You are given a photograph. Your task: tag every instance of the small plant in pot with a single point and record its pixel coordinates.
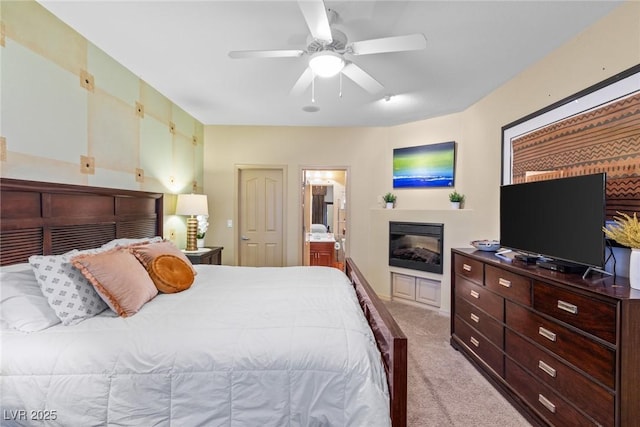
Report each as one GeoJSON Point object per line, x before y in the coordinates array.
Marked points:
{"type": "Point", "coordinates": [389, 200]}
{"type": "Point", "coordinates": [456, 199]}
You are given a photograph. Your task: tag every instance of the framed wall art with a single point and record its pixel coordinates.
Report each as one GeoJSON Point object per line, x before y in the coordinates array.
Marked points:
{"type": "Point", "coordinates": [424, 166]}
{"type": "Point", "coordinates": [596, 130]}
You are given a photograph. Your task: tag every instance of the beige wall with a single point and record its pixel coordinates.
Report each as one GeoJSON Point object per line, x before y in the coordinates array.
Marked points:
{"type": "Point", "coordinates": [50, 117]}
{"type": "Point", "coordinates": [292, 148]}
{"type": "Point", "coordinates": [48, 121]}
{"type": "Point", "coordinates": [606, 48]}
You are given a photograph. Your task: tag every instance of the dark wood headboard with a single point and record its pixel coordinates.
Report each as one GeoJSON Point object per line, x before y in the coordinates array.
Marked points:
{"type": "Point", "coordinates": [42, 218]}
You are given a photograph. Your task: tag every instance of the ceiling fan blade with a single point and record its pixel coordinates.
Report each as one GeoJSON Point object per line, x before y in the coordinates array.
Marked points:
{"type": "Point", "coordinates": [236, 54]}
{"type": "Point", "coordinates": [362, 78]}
{"type": "Point", "coordinates": [303, 82]}
{"type": "Point", "coordinates": [389, 44]}
{"type": "Point", "coordinates": [315, 14]}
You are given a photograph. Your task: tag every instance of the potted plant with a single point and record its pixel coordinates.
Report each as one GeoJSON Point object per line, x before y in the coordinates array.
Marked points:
{"type": "Point", "coordinates": [389, 199]}
{"type": "Point", "coordinates": [456, 199]}
{"type": "Point", "coordinates": [203, 226]}
{"type": "Point", "coordinates": [626, 231]}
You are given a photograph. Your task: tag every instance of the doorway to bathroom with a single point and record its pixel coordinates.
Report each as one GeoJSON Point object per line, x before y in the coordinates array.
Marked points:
{"type": "Point", "coordinates": [325, 219]}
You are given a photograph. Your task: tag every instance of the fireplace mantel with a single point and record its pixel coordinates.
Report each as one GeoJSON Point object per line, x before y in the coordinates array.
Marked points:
{"type": "Point", "coordinates": [457, 233]}
{"type": "Point", "coordinates": [444, 211]}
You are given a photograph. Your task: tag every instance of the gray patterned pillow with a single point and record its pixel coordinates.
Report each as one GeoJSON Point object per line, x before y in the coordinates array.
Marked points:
{"type": "Point", "coordinates": [68, 292]}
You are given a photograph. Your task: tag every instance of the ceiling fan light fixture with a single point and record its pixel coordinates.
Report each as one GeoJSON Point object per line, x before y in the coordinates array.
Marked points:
{"type": "Point", "coordinates": [326, 63]}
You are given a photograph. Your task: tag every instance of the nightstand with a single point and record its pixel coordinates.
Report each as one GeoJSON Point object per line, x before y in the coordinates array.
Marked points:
{"type": "Point", "coordinates": [211, 255]}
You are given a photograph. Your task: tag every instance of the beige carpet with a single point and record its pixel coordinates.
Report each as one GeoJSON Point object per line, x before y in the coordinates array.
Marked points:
{"type": "Point", "coordinates": [444, 389]}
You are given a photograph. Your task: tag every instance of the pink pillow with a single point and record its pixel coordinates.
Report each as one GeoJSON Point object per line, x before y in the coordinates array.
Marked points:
{"type": "Point", "coordinates": [146, 253]}
{"type": "Point", "coordinates": [118, 278]}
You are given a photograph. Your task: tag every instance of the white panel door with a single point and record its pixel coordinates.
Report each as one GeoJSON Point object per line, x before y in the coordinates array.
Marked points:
{"type": "Point", "coordinates": [261, 224]}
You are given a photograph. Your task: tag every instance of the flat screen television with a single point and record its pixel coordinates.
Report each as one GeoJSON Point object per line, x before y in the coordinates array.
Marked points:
{"type": "Point", "coordinates": [561, 219]}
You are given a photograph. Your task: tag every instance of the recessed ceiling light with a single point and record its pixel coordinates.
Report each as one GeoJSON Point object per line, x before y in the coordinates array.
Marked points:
{"type": "Point", "coordinates": [310, 108]}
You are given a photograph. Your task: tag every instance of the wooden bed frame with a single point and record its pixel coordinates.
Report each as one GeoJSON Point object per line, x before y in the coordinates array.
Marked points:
{"type": "Point", "coordinates": [47, 218]}
{"type": "Point", "coordinates": [39, 218]}
{"type": "Point", "coordinates": [392, 342]}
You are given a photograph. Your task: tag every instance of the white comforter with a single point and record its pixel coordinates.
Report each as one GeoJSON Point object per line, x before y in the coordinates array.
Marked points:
{"type": "Point", "coordinates": [242, 347]}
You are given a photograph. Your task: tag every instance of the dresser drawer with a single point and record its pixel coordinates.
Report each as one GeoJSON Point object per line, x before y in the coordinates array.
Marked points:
{"type": "Point", "coordinates": [469, 268]}
{"type": "Point", "coordinates": [593, 316]}
{"type": "Point", "coordinates": [489, 353]}
{"type": "Point", "coordinates": [481, 297]}
{"type": "Point", "coordinates": [481, 321]}
{"type": "Point", "coordinates": [510, 285]}
{"type": "Point", "coordinates": [543, 399]}
{"type": "Point", "coordinates": [582, 352]}
{"type": "Point", "coordinates": [596, 401]}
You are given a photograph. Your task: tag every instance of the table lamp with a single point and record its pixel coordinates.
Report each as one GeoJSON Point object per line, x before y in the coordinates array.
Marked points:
{"type": "Point", "coordinates": [192, 205]}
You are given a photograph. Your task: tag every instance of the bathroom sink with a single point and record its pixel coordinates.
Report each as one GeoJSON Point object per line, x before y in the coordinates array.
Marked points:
{"type": "Point", "coordinates": [321, 237]}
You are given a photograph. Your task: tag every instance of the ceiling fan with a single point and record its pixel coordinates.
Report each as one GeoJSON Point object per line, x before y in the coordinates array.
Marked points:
{"type": "Point", "coordinates": [329, 47]}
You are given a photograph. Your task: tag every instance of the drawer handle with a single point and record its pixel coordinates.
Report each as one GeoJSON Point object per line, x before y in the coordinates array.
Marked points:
{"type": "Point", "coordinates": [475, 317]}
{"type": "Point", "coordinates": [547, 334]}
{"type": "Point", "coordinates": [547, 403]}
{"type": "Point", "coordinates": [547, 369]}
{"type": "Point", "coordinates": [563, 305]}
{"type": "Point", "coordinates": [474, 294]}
{"type": "Point", "coordinates": [474, 341]}
{"type": "Point", "coordinates": [504, 282]}
{"type": "Point", "coordinates": [466, 267]}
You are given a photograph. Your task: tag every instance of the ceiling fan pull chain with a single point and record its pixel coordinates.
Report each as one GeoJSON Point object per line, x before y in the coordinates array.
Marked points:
{"type": "Point", "coordinates": [313, 90]}
{"type": "Point", "coordinates": [340, 92]}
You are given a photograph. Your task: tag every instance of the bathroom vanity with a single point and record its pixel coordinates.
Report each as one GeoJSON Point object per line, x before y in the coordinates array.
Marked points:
{"type": "Point", "coordinates": [322, 253]}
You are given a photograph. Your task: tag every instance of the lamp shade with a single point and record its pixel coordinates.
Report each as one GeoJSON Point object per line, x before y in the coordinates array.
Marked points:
{"type": "Point", "coordinates": [326, 63]}
{"type": "Point", "coordinates": [192, 204]}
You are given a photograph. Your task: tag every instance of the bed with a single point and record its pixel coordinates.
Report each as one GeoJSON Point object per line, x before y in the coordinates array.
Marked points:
{"type": "Point", "coordinates": [204, 356]}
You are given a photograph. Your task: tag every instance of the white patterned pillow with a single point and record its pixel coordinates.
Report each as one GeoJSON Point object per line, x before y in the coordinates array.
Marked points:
{"type": "Point", "coordinates": [68, 292]}
{"type": "Point", "coordinates": [22, 305]}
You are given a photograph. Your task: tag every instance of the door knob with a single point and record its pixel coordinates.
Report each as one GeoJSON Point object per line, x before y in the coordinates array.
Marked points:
{"type": "Point", "coordinates": [244, 238]}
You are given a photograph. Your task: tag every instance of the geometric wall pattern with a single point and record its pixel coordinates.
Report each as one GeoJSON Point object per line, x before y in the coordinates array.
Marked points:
{"type": "Point", "coordinates": [65, 102]}
{"type": "Point", "coordinates": [603, 139]}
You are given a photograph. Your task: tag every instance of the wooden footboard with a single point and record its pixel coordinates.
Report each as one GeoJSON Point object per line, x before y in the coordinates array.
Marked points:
{"type": "Point", "coordinates": [392, 343]}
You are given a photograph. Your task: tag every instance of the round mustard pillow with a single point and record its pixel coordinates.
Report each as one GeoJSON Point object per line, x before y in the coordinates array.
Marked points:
{"type": "Point", "coordinates": [170, 274]}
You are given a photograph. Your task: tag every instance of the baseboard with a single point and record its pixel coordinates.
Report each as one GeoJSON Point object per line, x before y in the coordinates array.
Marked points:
{"type": "Point", "coordinates": [420, 305]}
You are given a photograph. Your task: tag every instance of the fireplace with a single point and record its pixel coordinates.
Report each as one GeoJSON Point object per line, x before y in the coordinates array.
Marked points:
{"type": "Point", "coordinates": [415, 245]}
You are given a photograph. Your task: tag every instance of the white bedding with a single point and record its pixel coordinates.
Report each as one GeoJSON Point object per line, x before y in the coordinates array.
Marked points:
{"type": "Point", "coordinates": [241, 347]}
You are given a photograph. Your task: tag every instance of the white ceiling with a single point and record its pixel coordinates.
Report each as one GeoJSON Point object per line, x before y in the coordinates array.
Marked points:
{"type": "Point", "coordinates": [181, 49]}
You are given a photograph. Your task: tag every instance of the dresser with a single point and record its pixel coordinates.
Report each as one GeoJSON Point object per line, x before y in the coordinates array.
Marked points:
{"type": "Point", "coordinates": [565, 350]}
